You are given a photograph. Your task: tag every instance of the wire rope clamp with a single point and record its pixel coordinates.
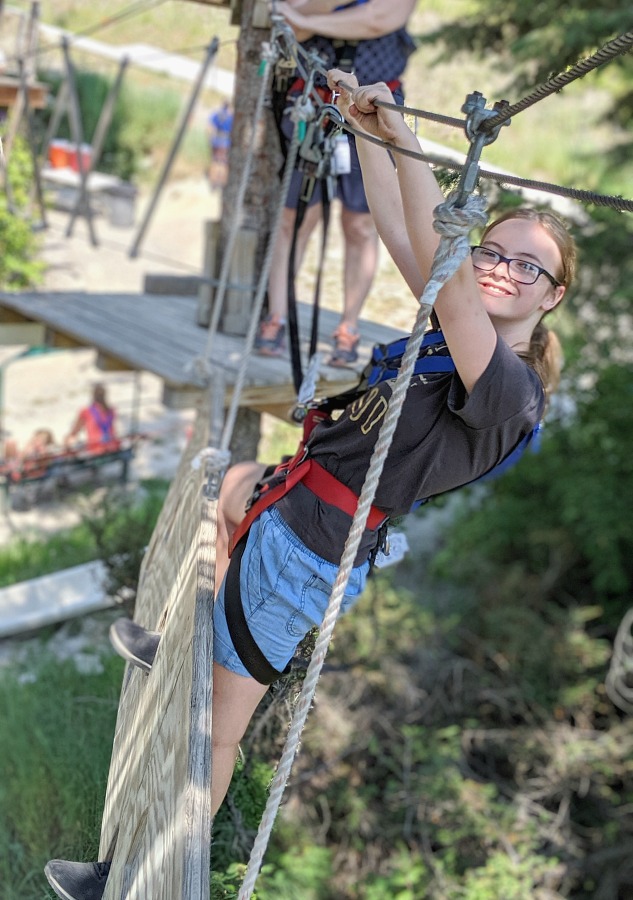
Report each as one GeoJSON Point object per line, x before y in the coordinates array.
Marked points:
{"type": "Point", "coordinates": [477, 117]}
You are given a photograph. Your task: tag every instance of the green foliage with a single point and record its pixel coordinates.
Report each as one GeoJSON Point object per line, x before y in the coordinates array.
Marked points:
{"type": "Point", "coordinates": [142, 118]}
{"type": "Point", "coordinates": [533, 42]}
{"type": "Point", "coordinates": [559, 521]}
{"type": "Point", "coordinates": [302, 871]}
{"type": "Point", "coordinates": [408, 879]}
{"type": "Point", "coordinates": [56, 731]}
{"type": "Point", "coordinates": [24, 559]}
{"type": "Point", "coordinates": [121, 528]}
{"type": "Point", "coordinates": [18, 242]}
{"type": "Point", "coordinates": [116, 530]}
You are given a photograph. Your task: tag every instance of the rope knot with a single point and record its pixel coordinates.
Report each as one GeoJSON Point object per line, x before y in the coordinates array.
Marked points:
{"type": "Point", "coordinates": [452, 221]}
{"type": "Point", "coordinates": [216, 460]}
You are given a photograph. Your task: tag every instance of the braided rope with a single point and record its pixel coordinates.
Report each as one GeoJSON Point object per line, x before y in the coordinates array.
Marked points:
{"type": "Point", "coordinates": [453, 225]}
{"type": "Point", "coordinates": [618, 203]}
{"type": "Point", "coordinates": [215, 460]}
{"type": "Point", "coordinates": [619, 680]}
{"type": "Point", "coordinates": [609, 51]}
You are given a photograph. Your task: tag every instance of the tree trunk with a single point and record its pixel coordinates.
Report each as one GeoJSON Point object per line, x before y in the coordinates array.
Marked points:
{"type": "Point", "coordinates": [262, 193]}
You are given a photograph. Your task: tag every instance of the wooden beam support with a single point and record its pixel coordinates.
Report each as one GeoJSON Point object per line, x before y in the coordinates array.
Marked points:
{"type": "Point", "coordinates": [30, 333]}
{"type": "Point", "coordinates": [109, 363]}
{"type": "Point", "coordinates": [63, 341]}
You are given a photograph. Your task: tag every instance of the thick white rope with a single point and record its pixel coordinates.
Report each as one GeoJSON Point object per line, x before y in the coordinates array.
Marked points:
{"type": "Point", "coordinates": [454, 226]}
{"type": "Point", "coordinates": [619, 680]}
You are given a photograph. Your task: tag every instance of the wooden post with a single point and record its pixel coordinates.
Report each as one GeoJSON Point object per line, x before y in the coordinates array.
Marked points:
{"type": "Point", "coordinates": [76, 129]}
{"type": "Point", "coordinates": [210, 269]}
{"type": "Point", "coordinates": [241, 280]}
{"type": "Point", "coordinates": [27, 47]}
{"type": "Point", "coordinates": [262, 194]}
{"type": "Point", "coordinates": [99, 136]}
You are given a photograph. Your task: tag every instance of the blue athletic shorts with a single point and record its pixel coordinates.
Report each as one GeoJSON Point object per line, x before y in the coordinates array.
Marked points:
{"type": "Point", "coordinates": [285, 592]}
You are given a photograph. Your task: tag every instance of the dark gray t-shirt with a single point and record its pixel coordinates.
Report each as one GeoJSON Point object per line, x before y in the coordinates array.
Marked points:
{"type": "Point", "coordinates": [444, 439]}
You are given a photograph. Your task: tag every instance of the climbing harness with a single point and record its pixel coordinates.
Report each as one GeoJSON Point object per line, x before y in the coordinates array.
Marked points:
{"type": "Point", "coordinates": [317, 161]}
{"type": "Point", "coordinates": [433, 359]}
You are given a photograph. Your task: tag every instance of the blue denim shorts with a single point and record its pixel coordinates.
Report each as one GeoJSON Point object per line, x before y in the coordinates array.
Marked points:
{"type": "Point", "coordinates": [285, 592]}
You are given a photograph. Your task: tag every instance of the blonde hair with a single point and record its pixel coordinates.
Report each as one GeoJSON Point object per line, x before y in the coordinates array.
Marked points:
{"type": "Point", "coordinates": [545, 354]}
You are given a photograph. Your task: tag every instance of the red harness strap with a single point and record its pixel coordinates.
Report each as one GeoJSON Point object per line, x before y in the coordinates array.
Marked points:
{"type": "Point", "coordinates": [320, 482]}
{"type": "Point", "coordinates": [326, 94]}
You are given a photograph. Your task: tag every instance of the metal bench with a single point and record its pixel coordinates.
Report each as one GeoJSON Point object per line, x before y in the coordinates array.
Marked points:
{"type": "Point", "coordinates": [55, 466]}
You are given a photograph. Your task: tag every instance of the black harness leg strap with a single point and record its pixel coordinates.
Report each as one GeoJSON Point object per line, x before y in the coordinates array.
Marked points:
{"type": "Point", "coordinates": [293, 321]}
{"type": "Point", "coordinates": [243, 641]}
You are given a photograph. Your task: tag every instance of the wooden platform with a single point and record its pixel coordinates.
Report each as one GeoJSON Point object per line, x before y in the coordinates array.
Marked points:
{"type": "Point", "coordinates": [159, 334]}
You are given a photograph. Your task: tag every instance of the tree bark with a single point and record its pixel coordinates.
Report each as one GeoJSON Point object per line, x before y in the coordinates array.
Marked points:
{"type": "Point", "coordinates": [262, 192]}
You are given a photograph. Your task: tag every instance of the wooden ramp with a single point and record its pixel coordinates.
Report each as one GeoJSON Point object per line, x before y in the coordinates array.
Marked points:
{"type": "Point", "coordinates": [156, 825]}
{"type": "Point", "coordinates": [158, 333]}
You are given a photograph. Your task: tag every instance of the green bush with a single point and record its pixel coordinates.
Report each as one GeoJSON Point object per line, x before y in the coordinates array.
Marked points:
{"type": "Point", "coordinates": [121, 526]}
{"type": "Point", "coordinates": [116, 529]}
{"type": "Point", "coordinates": [19, 244]}
{"type": "Point", "coordinates": [143, 120]}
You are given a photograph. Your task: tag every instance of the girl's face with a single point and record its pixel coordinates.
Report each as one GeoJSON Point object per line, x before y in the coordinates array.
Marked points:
{"type": "Point", "coordinates": [507, 299]}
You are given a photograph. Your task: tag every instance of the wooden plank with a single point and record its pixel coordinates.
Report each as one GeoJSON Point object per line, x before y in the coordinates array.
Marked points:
{"type": "Point", "coordinates": [159, 334]}
{"type": "Point", "coordinates": [159, 762]}
{"type": "Point", "coordinates": [30, 333]}
{"type": "Point", "coordinates": [53, 598]}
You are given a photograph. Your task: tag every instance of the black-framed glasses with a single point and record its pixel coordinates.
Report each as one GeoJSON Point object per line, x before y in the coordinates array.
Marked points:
{"type": "Point", "coordinates": [519, 269]}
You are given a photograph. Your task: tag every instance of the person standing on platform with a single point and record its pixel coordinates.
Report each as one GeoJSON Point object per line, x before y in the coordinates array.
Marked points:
{"type": "Point", "coordinates": [368, 37]}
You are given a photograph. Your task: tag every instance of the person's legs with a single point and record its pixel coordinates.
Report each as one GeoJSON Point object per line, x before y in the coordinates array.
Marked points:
{"type": "Point", "coordinates": [138, 645]}
{"type": "Point", "coordinates": [270, 339]}
{"type": "Point", "coordinates": [278, 279]}
{"type": "Point", "coordinates": [235, 699]}
{"type": "Point", "coordinates": [361, 262]}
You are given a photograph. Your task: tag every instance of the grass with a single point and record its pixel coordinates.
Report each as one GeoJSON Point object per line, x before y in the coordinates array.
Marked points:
{"type": "Point", "coordinates": [24, 559]}
{"type": "Point", "coordinates": [56, 730]}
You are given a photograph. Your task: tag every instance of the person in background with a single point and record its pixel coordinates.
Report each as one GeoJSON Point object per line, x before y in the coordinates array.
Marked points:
{"type": "Point", "coordinates": [95, 424]}
{"type": "Point", "coordinates": [368, 37]}
{"type": "Point", "coordinates": [219, 128]}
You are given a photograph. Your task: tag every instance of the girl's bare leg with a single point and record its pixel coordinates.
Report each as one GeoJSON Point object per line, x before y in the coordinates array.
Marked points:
{"type": "Point", "coordinates": [237, 488]}
{"type": "Point", "coordinates": [235, 699]}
